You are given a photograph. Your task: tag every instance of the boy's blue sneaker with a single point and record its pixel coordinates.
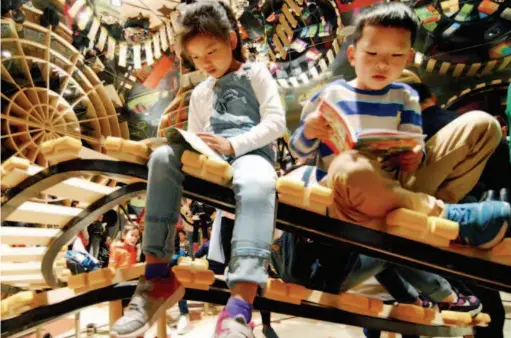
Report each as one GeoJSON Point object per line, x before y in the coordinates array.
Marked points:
{"type": "Point", "coordinates": [482, 224]}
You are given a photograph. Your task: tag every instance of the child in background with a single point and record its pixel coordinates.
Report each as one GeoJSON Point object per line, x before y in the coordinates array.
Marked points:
{"type": "Point", "coordinates": [184, 243]}
{"type": "Point", "coordinates": [237, 112]}
{"type": "Point", "coordinates": [124, 253]}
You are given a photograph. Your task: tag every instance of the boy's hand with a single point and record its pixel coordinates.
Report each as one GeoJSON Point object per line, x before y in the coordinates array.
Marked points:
{"type": "Point", "coordinates": [316, 127]}
{"type": "Point", "coordinates": [408, 161]}
{"type": "Point", "coordinates": [218, 143]}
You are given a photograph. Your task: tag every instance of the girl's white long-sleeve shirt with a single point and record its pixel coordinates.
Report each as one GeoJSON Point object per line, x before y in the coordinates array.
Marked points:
{"type": "Point", "coordinates": [226, 106]}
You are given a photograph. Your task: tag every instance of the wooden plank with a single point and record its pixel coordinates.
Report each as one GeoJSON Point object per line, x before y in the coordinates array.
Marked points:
{"type": "Point", "coordinates": [110, 54]}
{"type": "Point", "coordinates": [94, 29]}
{"type": "Point", "coordinates": [9, 269]}
{"type": "Point", "coordinates": [163, 37]}
{"type": "Point", "coordinates": [156, 45]}
{"type": "Point", "coordinates": [123, 52]}
{"type": "Point", "coordinates": [102, 39]}
{"type": "Point", "coordinates": [458, 69]}
{"type": "Point", "coordinates": [27, 236]}
{"type": "Point", "coordinates": [79, 189]}
{"type": "Point", "coordinates": [30, 254]}
{"type": "Point", "coordinates": [473, 69]}
{"type": "Point", "coordinates": [22, 279]}
{"type": "Point", "coordinates": [30, 212]}
{"type": "Point", "coordinates": [149, 52]}
{"type": "Point", "coordinates": [16, 176]}
{"type": "Point", "coordinates": [137, 58]}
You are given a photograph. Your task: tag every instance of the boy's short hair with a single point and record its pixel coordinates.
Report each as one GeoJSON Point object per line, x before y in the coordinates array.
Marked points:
{"type": "Point", "coordinates": [390, 14]}
{"type": "Point", "coordinates": [423, 91]}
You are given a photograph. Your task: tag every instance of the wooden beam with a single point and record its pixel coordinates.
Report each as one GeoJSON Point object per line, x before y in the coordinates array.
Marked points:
{"type": "Point", "coordinates": [39, 213]}
{"type": "Point", "coordinates": [9, 269]}
{"type": "Point", "coordinates": [27, 236]}
{"type": "Point", "coordinates": [79, 189]}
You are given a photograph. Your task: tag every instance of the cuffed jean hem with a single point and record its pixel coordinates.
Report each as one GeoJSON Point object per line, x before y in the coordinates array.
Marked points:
{"type": "Point", "coordinates": [156, 243]}
{"type": "Point", "coordinates": [439, 295]}
{"type": "Point", "coordinates": [249, 266]}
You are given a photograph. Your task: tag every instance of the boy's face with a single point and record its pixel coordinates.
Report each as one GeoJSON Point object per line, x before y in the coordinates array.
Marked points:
{"type": "Point", "coordinates": [380, 56]}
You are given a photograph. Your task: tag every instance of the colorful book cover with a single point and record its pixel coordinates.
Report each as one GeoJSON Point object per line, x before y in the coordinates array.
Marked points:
{"type": "Point", "coordinates": [312, 54]}
{"type": "Point", "coordinates": [380, 142]}
{"type": "Point", "coordinates": [343, 137]}
{"type": "Point", "coordinates": [464, 12]}
{"type": "Point", "coordinates": [299, 45]}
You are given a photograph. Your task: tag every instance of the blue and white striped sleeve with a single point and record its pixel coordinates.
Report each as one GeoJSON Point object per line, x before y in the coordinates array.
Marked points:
{"type": "Point", "coordinates": [300, 146]}
{"type": "Point", "coordinates": [411, 119]}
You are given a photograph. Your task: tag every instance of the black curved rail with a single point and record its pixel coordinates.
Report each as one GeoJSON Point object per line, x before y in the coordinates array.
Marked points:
{"type": "Point", "coordinates": [80, 222]}
{"type": "Point", "coordinates": [218, 295]}
{"type": "Point", "coordinates": [352, 237]}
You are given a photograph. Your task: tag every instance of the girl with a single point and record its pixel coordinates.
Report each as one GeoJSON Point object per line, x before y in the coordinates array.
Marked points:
{"type": "Point", "coordinates": [237, 111]}
{"type": "Point", "coordinates": [124, 252]}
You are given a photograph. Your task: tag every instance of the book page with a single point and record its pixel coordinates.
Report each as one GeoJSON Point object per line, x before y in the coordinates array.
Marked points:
{"type": "Point", "coordinates": [176, 135]}
{"type": "Point", "coordinates": [387, 142]}
{"type": "Point", "coordinates": [343, 137]}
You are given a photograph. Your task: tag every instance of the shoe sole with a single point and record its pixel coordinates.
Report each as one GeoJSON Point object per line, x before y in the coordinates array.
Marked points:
{"type": "Point", "coordinates": [477, 311]}
{"type": "Point", "coordinates": [497, 239]}
{"type": "Point", "coordinates": [176, 297]}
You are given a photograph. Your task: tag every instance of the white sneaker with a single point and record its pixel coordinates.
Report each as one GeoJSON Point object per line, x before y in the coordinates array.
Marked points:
{"type": "Point", "coordinates": [183, 325]}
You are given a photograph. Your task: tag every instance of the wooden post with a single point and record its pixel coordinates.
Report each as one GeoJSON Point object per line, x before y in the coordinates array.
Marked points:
{"type": "Point", "coordinates": [115, 311]}
{"type": "Point", "coordinates": [162, 326]}
{"type": "Point", "coordinates": [38, 332]}
{"type": "Point", "coordinates": [77, 325]}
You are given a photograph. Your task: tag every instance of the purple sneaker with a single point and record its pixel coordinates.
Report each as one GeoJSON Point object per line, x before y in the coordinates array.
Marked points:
{"type": "Point", "coordinates": [470, 304]}
{"type": "Point", "coordinates": [237, 327]}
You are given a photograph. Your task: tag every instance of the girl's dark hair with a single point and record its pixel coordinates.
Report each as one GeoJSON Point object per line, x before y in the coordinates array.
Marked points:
{"type": "Point", "coordinates": [128, 228]}
{"type": "Point", "coordinates": [390, 14]}
{"type": "Point", "coordinates": [213, 18]}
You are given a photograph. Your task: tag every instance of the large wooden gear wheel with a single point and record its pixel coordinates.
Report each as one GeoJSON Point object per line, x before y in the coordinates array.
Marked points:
{"type": "Point", "coordinates": [48, 92]}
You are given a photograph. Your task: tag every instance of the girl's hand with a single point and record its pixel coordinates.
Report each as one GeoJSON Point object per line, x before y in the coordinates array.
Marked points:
{"type": "Point", "coordinates": [218, 143]}
{"type": "Point", "coordinates": [316, 127]}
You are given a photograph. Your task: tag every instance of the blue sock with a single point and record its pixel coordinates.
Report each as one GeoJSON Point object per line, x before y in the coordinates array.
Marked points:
{"type": "Point", "coordinates": [237, 306]}
{"type": "Point", "coordinates": [157, 270]}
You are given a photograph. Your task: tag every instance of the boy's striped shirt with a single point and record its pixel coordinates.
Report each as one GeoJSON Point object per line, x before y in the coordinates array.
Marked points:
{"type": "Point", "coordinates": [394, 107]}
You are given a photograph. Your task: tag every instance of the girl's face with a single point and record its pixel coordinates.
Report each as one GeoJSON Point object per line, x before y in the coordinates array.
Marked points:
{"type": "Point", "coordinates": [182, 237]}
{"type": "Point", "coordinates": [211, 55]}
{"type": "Point", "coordinates": [132, 237]}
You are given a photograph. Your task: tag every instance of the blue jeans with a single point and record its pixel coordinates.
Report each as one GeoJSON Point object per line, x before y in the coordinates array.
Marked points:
{"type": "Point", "coordinates": [254, 180]}
{"type": "Point", "coordinates": [183, 307]}
{"type": "Point", "coordinates": [430, 285]}
{"type": "Point", "coordinates": [331, 269]}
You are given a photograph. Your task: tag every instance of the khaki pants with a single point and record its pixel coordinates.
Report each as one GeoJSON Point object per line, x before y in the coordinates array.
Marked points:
{"type": "Point", "coordinates": [455, 159]}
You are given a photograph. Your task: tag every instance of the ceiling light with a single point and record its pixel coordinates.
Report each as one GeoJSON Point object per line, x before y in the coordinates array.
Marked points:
{"type": "Point", "coordinates": [116, 3]}
{"type": "Point", "coordinates": [6, 54]}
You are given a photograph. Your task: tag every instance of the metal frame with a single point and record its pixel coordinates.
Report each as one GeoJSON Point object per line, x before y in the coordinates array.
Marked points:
{"type": "Point", "coordinates": [353, 237]}
{"type": "Point", "coordinates": [218, 294]}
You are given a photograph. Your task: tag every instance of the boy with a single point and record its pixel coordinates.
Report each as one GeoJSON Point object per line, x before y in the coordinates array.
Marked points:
{"type": "Point", "coordinates": [445, 171]}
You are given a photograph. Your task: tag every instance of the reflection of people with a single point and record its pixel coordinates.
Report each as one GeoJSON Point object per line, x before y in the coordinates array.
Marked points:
{"type": "Point", "coordinates": [429, 180]}
{"type": "Point", "coordinates": [238, 113]}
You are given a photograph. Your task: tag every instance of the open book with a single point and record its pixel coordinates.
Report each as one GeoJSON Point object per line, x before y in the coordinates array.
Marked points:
{"type": "Point", "coordinates": [180, 136]}
{"type": "Point", "coordinates": [381, 142]}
